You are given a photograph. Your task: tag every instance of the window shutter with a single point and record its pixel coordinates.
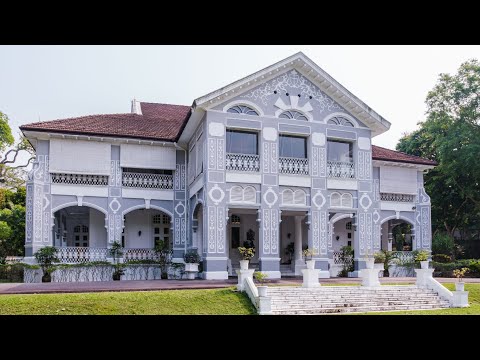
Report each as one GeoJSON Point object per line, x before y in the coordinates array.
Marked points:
{"type": "Point", "coordinates": [347, 200]}
{"type": "Point", "coordinates": [335, 200]}
{"type": "Point", "coordinates": [300, 197]}
{"type": "Point", "coordinates": [288, 197]}
{"type": "Point", "coordinates": [249, 194]}
{"type": "Point", "coordinates": [236, 194]}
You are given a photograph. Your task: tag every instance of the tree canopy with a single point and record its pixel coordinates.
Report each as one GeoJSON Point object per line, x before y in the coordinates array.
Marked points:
{"type": "Point", "coordinates": [451, 136]}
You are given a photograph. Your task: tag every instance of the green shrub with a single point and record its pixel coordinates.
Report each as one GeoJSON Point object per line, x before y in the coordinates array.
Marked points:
{"type": "Point", "coordinates": [442, 244]}
{"type": "Point", "coordinates": [474, 267]}
{"type": "Point", "coordinates": [442, 258]}
{"type": "Point", "coordinates": [191, 257]}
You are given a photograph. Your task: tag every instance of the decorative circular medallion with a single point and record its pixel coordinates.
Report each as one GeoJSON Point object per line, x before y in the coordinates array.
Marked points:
{"type": "Point", "coordinates": [216, 194]}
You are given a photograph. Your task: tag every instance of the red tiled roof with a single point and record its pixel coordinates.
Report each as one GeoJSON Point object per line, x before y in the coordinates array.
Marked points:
{"type": "Point", "coordinates": [379, 153]}
{"type": "Point", "coordinates": [157, 122]}
{"type": "Point", "coordinates": [163, 122]}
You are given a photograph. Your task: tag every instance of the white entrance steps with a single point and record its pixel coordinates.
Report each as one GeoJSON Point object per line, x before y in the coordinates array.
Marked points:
{"type": "Point", "coordinates": [289, 300]}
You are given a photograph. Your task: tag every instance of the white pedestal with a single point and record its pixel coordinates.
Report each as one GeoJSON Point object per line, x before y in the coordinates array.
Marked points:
{"type": "Point", "coordinates": [191, 275]}
{"type": "Point", "coordinates": [299, 266]}
{"type": "Point", "coordinates": [264, 305]}
{"type": "Point", "coordinates": [370, 277]}
{"type": "Point", "coordinates": [242, 275]}
{"type": "Point", "coordinates": [460, 299]}
{"type": "Point", "coordinates": [310, 278]}
{"type": "Point", "coordinates": [422, 276]}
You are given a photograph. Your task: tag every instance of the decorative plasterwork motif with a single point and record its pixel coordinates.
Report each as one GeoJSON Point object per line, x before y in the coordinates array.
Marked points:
{"type": "Point", "coordinates": [292, 80]}
{"type": "Point", "coordinates": [318, 139]}
{"type": "Point", "coordinates": [216, 194]}
{"type": "Point", "coordinates": [269, 133]}
{"type": "Point", "coordinates": [363, 143]}
{"type": "Point", "coordinates": [376, 216]}
{"type": "Point", "coordinates": [270, 197]}
{"type": "Point", "coordinates": [114, 205]}
{"type": "Point", "coordinates": [216, 129]}
{"type": "Point", "coordinates": [294, 105]}
{"type": "Point", "coordinates": [365, 202]}
{"type": "Point", "coordinates": [180, 209]}
{"type": "Point", "coordinates": [318, 199]}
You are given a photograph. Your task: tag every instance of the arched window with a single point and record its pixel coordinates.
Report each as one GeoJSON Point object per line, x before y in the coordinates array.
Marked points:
{"type": "Point", "coordinates": [293, 114]}
{"type": "Point", "coordinates": [340, 121]}
{"type": "Point", "coordinates": [242, 109]}
{"type": "Point", "coordinates": [287, 197]}
{"type": "Point", "coordinates": [249, 194]}
{"type": "Point", "coordinates": [236, 194]}
{"type": "Point", "coordinates": [347, 200]}
{"type": "Point", "coordinates": [299, 197]}
{"type": "Point", "coordinates": [335, 200]}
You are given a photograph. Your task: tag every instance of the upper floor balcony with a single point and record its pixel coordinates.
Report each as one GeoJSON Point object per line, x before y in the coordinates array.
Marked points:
{"type": "Point", "coordinates": [341, 169]}
{"type": "Point", "coordinates": [242, 162]}
{"type": "Point", "coordinates": [147, 180]}
{"type": "Point", "coordinates": [293, 166]}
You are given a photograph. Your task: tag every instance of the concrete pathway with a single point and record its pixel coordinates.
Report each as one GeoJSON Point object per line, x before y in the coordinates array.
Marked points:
{"type": "Point", "coordinates": [152, 285]}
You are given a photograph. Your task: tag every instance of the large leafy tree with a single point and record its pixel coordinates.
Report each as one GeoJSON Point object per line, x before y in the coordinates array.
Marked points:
{"type": "Point", "coordinates": [451, 136]}
{"type": "Point", "coordinates": [12, 174]}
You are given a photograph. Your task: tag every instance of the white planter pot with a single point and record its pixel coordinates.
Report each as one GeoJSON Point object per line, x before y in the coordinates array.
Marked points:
{"type": "Point", "coordinates": [244, 264]}
{"type": "Point", "coordinates": [262, 290]}
{"type": "Point", "coordinates": [460, 286]}
{"type": "Point", "coordinates": [369, 263]}
{"type": "Point", "coordinates": [424, 264]}
{"type": "Point", "coordinates": [191, 267]}
{"type": "Point", "coordinates": [310, 264]}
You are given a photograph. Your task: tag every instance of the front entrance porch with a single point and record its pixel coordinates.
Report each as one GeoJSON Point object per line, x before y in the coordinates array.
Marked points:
{"type": "Point", "coordinates": [80, 234]}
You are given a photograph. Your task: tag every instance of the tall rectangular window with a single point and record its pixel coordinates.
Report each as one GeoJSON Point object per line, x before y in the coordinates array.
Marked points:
{"type": "Point", "coordinates": [242, 142]}
{"type": "Point", "coordinates": [341, 151]}
{"type": "Point", "coordinates": [293, 146]}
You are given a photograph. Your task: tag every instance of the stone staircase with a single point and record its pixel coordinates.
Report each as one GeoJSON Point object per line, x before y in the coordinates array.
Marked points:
{"type": "Point", "coordinates": [289, 300]}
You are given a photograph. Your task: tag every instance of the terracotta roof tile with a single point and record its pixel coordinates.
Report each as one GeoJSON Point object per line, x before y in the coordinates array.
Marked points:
{"type": "Point", "coordinates": [157, 122]}
{"type": "Point", "coordinates": [379, 153]}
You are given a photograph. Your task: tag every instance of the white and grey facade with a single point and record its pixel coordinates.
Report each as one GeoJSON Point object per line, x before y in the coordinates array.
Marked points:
{"type": "Point", "coordinates": [282, 156]}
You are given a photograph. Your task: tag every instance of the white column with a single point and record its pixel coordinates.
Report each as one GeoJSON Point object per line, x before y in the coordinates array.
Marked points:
{"type": "Point", "coordinates": [298, 238]}
{"type": "Point", "coordinates": [299, 263]}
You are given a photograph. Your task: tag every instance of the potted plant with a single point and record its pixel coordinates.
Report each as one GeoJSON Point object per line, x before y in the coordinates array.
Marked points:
{"type": "Point", "coordinates": [422, 257]}
{"type": "Point", "coordinates": [387, 258]}
{"type": "Point", "coordinates": [247, 254]}
{"type": "Point", "coordinates": [308, 255]}
{"type": "Point", "coordinates": [116, 252]}
{"type": "Point", "coordinates": [192, 259]}
{"type": "Point", "coordinates": [46, 257]}
{"type": "Point", "coordinates": [261, 278]}
{"type": "Point", "coordinates": [459, 274]}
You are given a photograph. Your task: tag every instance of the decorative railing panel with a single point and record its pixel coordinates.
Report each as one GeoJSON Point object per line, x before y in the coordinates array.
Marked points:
{"type": "Point", "coordinates": [397, 197]}
{"type": "Point", "coordinates": [404, 256]}
{"type": "Point", "coordinates": [147, 180]}
{"type": "Point", "coordinates": [295, 166]}
{"type": "Point", "coordinates": [75, 255]}
{"type": "Point", "coordinates": [340, 169]}
{"type": "Point", "coordinates": [79, 179]}
{"type": "Point", "coordinates": [243, 162]}
{"type": "Point", "coordinates": [337, 258]}
{"type": "Point", "coordinates": [139, 254]}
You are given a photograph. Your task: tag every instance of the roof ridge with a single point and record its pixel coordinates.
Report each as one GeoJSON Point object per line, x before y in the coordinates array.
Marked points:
{"type": "Point", "coordinates": [157, 103]}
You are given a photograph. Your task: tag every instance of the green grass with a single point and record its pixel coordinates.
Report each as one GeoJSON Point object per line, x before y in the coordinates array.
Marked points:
{"type": "Point", "coordinates": [167, 302]}
{"type": "Point", "coordinates": [473, 299]}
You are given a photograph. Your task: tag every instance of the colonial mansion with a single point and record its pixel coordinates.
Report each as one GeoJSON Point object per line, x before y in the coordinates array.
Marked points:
{"type": "Point", "coordinates": [280, 160]}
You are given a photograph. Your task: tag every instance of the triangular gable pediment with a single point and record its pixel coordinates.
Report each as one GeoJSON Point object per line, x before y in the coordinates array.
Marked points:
{"type": "Point", "coordinates": [308, 70]}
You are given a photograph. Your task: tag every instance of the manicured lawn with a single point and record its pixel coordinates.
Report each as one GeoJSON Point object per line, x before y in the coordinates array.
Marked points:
{"type": "Point", "coordinates": [168, 302]}
{"type": "Point", "coordinates": [473, 299]}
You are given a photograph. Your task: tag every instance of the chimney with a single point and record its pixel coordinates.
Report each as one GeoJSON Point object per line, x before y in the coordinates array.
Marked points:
{"type": "Point", "coordinates": [136, 108]}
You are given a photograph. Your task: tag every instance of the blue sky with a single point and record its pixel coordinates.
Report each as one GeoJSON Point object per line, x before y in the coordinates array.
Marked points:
{"type": "Point", "coordinates": [52, 82]}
